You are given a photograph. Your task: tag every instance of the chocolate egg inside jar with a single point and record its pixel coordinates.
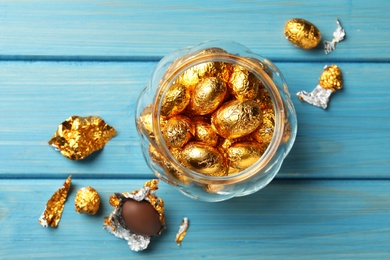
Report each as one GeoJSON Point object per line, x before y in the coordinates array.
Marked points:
{"type": "Point", "coordinates": [216, 121]}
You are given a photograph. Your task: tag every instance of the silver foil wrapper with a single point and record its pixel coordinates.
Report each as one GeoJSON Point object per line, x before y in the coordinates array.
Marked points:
{"type": "Point", "coordinates": [319, 97]}
{"type": "Point", "coordinates": [118, 228]}
{"type": "Point", "coordinates": [338, 36]}
{"type": "Point", "coordinates": [182, 231]}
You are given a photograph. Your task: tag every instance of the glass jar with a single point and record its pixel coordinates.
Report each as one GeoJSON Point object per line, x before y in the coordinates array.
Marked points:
{"type": "Point", "coordinates": [165, 162]}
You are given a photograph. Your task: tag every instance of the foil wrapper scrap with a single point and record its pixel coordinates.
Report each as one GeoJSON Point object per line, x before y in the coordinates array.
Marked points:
{"type": "Point", "coordinates": [330, 81]}
{"type": "Point", "coordinates": [87, 200]}
{"type": "Point", "coordinates": [77, 137]}
{"type": "Point", "coordinates": [338, 36]}
{"type": "Point", "coordinates": [115, 223]}
{"type": "Point", "coordinates": [51, 216]}
{"type": "Point", "coordinates": [182, 231]}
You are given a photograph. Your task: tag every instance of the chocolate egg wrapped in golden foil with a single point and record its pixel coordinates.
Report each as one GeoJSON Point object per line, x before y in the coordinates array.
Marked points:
{"type": "Point", "coordinates": [331, 78]}
{"type": "Point", "coordinates": [302, 33]}
{"type": "Point", "coordinates": [243, 84]}
{"type": "Point", "coordinates": [243, 155]}
{"type": "Point", "coordinates": [265, 132]}
{"type": "Point", "coordinates": [204, 132]}
{"type": "Point", "coordinates": [175, 100]}
{"type": "Point", "coordinates": [263, 99]}
{"type": "Point", "coordinates": [145, 123]}
{"type": "Point", "coordinates": [204, 159]}
{"type": "Point", "coordinates": [178, 131]}
{"type": "Point", "coordinates": [237, 118]}
{"type": "Point", "coordinates": [155, 155]}
{"type": "Point", "coordinates": [207, 96]}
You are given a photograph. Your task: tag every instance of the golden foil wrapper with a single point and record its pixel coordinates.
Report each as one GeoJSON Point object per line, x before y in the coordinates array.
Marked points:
{"type": "Point", "coordinates": [265, 132]}
{"type": "Point", "coordinates": [264, 99]}
{"type": "Point", "coordinates": [243, 84]}
{"type": "Point", "coordinates": [302, 33]}
{"type": "Point", "coordinates": [331, 80]}
{"type": "Point", "coordinates": [237, 118]}
{"type": "Point", "coordinates": [204, 132]}
{"type": "Point", "coordinates": [182, 231]}
{"type": "Point", "coordinates": [145, 123]}
{"type": "Point", "coordinates": [87, 200]}
{"type": "Point", "coordinates": [115, 223]}
{"type": "Point", "coordinates": [204, 159]}
{"type": "Point", "coordinates": [155, 155]}
{"type": "Point", "coordinates": [51, 216]}
{"type": "Point", "coordinates": [176, 100]}
{"type": "Point", "coordinates": [207, 96]}
{"type": "Point", "coordinates": [243, 155]}
{"type": "Point", "coordinates": [178, 131]}
{"type": "Point", "coordinates": [78, 137]}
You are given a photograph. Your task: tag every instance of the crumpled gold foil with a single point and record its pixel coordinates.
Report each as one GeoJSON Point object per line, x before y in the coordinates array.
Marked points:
{"type": "Point", "coordinates": [331, 80]}
{"type": "Point", "coordinates": [175, 100]}
{"type": "Point", "coordinates": [51, 216]}
{"type": "Point", "coordinates": [302, 33]}
{"type": "Point", "coordinates": [204, 132]}
{"type": "Point", "coordinates": [182, 231]}
{"type": "Point", "coordinates": [265, 132]}
{"type": "Point", "coordinates": [178, 131]}
{"type": "Point", "coordinates": [243, 83]}
{"type": "Point", "coordinates": [87, 200]}
{"type": "Point", "coordinates": [77, 137]}
{"type": "Point", "coordinates": [115, 223]}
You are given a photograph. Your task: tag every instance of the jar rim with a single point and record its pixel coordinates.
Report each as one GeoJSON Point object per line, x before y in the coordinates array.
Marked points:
{"type": "Point", "coordinates": [253, 64]}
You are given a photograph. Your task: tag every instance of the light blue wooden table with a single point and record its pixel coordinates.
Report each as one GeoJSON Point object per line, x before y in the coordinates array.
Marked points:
{"type": "Point", "coordinates": [331, 199]}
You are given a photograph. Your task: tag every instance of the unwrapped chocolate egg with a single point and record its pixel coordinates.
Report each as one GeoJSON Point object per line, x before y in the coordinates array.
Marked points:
{"type": "Point", "coordinates": [243, 155]}
{"type": "Point", "coordinates": [237, 118]}
{"type": "Point", "coordinates": [243, 84]}
{"type": "Point", "coordinates": [204, 131]}
{"type": "Point", "coordinates": [302, 33]}
{"type": "Point", "coordinates": [265, 132]}
{"type": "Point", "coordinates": [175, 100]}
{"type": "Point", "coordinates": [207, 96]}
{"type": "Point", "coordinates": [178, 131]}
{"type": "Point", "coordinates": [204, 159]}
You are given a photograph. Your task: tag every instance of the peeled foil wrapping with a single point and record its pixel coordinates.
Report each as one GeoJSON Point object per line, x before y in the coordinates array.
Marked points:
{"type": "Point", "coordinates": [330, 81]}
{"type": "Point", "coordinates": [77, 137]}
{"type": "Point", "coordinates": [338, 36]}
{"type": "Point", "coordinates": [51, 216]}
{"type": "Point", "coordinates": [182, 231]}
{"type": "Point", "coordinates": [115, 223]}
{"type": "Point", "coordinates": [87, 200]}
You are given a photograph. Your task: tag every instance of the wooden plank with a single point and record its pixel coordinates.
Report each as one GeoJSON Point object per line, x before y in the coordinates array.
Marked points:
{"type": "Point", "coordinates": [295, 219]}
{"type": "Point", "coordinates": [348, 140]}
{"type": "Point", "coordinates": [124, 29]}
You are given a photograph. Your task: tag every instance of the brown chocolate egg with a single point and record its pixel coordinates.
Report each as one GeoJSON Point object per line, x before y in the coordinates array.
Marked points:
{"type": "Point", "coordinates": [243, 155]}
{"type": "Point", "coordinates": [204, 132]}
{"type": "Point", "coordinates": [178, 131]}
{"type": "Point", "coordinates": [141, 218]}
{"type": "Point", "coordinates": [175, 100]}
{"type": "Point", "coordinates": [264, 133]}
{"type": "Point", "coordinates": [204, 159]}
{"type": "Point", "coordinates": [207, 96]}
{"type": "Point", "coordinates": [237, 118]}
{"type": "Point", "coordinates": [302, 33]}
{"type": "Point", "coordinates": [243, 84]}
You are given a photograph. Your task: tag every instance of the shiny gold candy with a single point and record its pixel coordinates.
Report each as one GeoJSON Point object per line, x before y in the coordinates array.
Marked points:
{"type": "Point", "coordinates": [264, 99]}
{"type": "Point", "coordinates": [197, 73]}
{"type": "Point", "coordinates": [204, 159]}
{"type": "Point", "coordinates": [178, 131]}
{"type": "Point", "coordinates": [51, 216]}
{"type": "Point", "coordinates": [331, 78]}
{"type": "Point", "coordinates": [155, 155]}
{"type": "Point", "coordinates": [243, 83]}
{"type": "Point", "coordinates": [207, 96]}
{"type": "Point", "coordinates": [204, 131]}
{"type": "Point", "coordinates": [243, 155]}
{"type": "Point", "coordinates": [237, 118]}
{"type": "Point", "coordinates": [87, 200]}
{"type": "Point", "coordinates": [265, 132]}
{"type": "Point", "coordinates": [145, 123]}
{"type": "Point", "coordinates": [175, 101]}
{"type": "Point", "coordinates": [77, 137]}
{"type": "Point", "coordinates": [302, 33]}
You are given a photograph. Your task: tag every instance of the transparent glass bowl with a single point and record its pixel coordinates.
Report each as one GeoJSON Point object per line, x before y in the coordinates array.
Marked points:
{"type": "Point", "coordinates": [196, 185]}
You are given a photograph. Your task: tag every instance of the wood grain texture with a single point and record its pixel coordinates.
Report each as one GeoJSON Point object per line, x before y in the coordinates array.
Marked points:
{"type": "Point", "coordinates": [348, 140]}
{"type": "Point", "coordinates": [289, 219]}
{"type": "Point", "coordinates": [124, 29]}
